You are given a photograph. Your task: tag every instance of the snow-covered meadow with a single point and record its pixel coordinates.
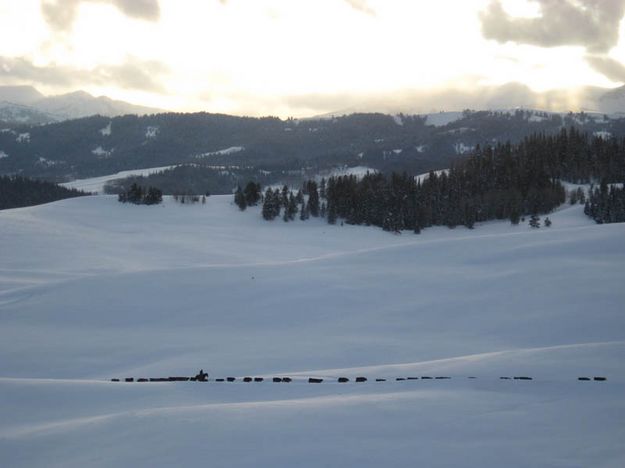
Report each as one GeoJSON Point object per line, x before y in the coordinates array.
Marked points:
{"type": "Point", "coordinates": [91, 289]}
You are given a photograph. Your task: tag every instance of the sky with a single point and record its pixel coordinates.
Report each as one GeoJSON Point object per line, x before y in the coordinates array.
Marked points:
{"type": "Point", "coordinates": [306, 57]}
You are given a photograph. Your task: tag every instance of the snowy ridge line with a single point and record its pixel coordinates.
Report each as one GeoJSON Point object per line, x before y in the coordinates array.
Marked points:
{"type": "Point", "coordinates": [468, 358]}
{"type": "Point", "coordinates": [318, 380]}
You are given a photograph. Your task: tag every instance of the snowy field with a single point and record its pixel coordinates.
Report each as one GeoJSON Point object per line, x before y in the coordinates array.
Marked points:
{"type": "Point", "coordinates": [91, 289]}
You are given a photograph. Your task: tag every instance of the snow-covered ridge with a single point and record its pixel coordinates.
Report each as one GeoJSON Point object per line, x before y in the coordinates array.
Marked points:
{"type": "Point", "coordinates": [221, 152]}
{"type": "Point", "coordinates": [96, 184]}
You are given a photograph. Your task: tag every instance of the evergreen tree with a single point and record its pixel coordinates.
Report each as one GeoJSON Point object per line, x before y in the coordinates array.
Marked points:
{"type": "Point", "coordinates": [331, 214]}
{"type": "Point", "coordinates": [153, 196]}
{"type": "Point", "coordinates": [135, 194]}
{"type": "Point", "coordinates": [284, 198]}
{"type": "Point", "coordinates": [322, 188]}
{"type": "Point", "coordinates": [313, 199]}
{"type": "Point", "coordinates": [291, 208]}
{"type": "Point", "coordinates": [299, 198]}
{"type": "Point", "coordinates": [303, 211]}
{"type": "Point", "coordinates": [252, 193]}
{"type": "Point", "coordinates": [271, 206]}
{"type": "Point", "coordinates": [140, 196]}
{"type": "Point", "coordinates": [240, 199]}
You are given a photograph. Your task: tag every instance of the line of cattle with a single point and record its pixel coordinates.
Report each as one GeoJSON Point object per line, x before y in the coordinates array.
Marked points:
{"type": "Point", "coordinates": [204, 378]}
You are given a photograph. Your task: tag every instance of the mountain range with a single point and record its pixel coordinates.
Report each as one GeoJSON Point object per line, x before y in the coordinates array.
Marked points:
{"type": "Point", "coordinates": [26, 105]}
{"type": "Point", "coordinates": [589, 99]}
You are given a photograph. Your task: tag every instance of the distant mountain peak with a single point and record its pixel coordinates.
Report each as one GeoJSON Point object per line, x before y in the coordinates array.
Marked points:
{"type": "Point", "coordinates": [75, 104]}
{"type": "Point", "coordinates": [77, 94]}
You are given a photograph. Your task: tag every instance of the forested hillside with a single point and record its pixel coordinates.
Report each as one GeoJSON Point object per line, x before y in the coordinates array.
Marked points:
{"type": "Point", "coordinates": [96, 146]}
{"type": "Point", "coordinates": [16, 192]}
{"type": "Point", "coordinates": [506, 181]}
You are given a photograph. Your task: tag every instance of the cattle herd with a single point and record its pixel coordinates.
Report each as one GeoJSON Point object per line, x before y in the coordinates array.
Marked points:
{"type": "Point", "coordinates": [203, 377]}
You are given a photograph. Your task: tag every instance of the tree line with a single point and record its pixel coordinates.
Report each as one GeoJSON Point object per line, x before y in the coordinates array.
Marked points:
{"type": "Point", "coordinates": [17, 192]}
{"type": "Point", "coordinates": [506, 181]}
{"type": "Point", "coordinates": [139, 195]}
{"type": "Point", "coordinates": [606, 204]}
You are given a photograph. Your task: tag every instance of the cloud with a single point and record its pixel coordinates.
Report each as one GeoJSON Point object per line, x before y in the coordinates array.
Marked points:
{"type": "Point", "coordinates": [133, 73]}
{"type": "Point", "coordinates": [593, 24]}
{"type": "Point", "coordinates": [60, 14]}
{"type": "Point", "coordinates": [362, 6]}
{"type": "Point", "coordinates": [612, 69]}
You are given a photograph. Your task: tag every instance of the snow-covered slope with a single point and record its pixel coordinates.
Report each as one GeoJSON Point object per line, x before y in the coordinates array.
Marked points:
{"type": "Point", "coordinates": [96, 184]}
{"type": "Point", "coordinates": [91, 289]}
{"type": "Point", "coordinates": [21, 114]}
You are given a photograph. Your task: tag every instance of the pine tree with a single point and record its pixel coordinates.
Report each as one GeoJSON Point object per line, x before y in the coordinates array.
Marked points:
{"type": "Point", "coordinates": [332, 214]}
{"type": "Point", "coordinates": [303, 211]}
{"type": "Point", "coordinates": [240, 199]}
{"type": "Point", "coordinates": [291, 208]}
{"type": "Point", "coordinates": [252, 193]}
{"type": "Point", "coordinates": [284, 199]}
{"type": "Point", "coordinates": [153, 196]}
{"type": "Point", "coordinates": [313, 199]}
{"type": "Point", "coordinates": [547, 222]}
{"type": "Point", "coordinates": [269, 206]}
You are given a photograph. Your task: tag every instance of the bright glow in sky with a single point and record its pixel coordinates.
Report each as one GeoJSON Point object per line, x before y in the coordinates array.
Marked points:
{"type": "Point", "coordinates": [279, 57]}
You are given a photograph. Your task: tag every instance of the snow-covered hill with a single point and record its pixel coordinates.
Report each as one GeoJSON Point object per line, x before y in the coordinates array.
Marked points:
{"type": "Point", "coordinates": [91, 289]}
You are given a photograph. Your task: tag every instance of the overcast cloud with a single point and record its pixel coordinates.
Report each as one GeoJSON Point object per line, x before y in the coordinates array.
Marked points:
{"type": "Point", "coordinates": [60, 14]}
{"type": "Point", "coordinates": [592, 24]}
{"type": "Point", "coordinates": [131, 74]}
